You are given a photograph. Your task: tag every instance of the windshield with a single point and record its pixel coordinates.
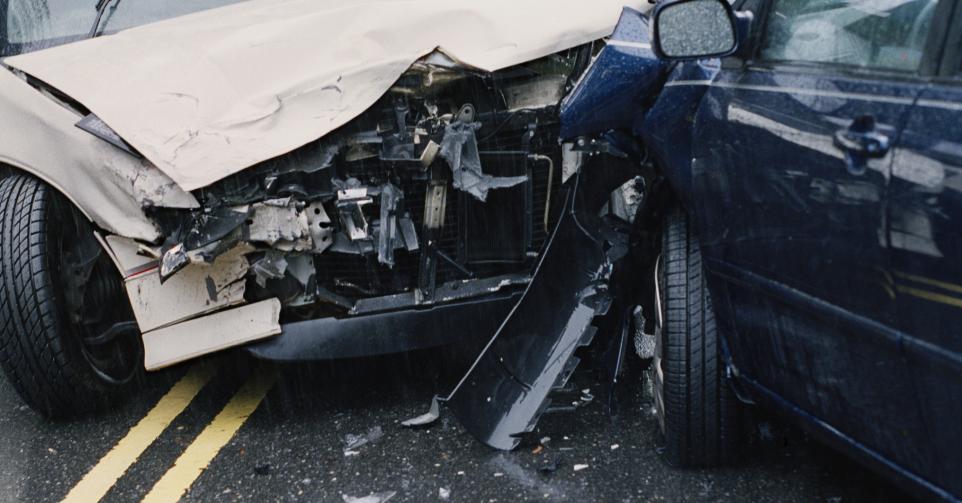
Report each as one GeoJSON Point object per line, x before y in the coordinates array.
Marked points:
{"type": "Point", "coordinates": [30, 25]}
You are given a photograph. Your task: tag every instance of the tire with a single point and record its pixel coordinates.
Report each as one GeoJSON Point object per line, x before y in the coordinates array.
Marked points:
{"type": "Point", "coordinates": [41, 350]}
{"type": "Point", "coordinates": [697, 409]}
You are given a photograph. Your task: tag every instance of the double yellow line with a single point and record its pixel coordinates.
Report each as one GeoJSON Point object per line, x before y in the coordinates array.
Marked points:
{"type": "Point", "coordinates": [949, 294]}
{"type": "Point", "coordinates": [178, 479]}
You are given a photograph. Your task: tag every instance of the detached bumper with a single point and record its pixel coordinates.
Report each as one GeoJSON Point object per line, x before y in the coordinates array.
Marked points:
{"type": "Point", "coordinates": [387, 333]}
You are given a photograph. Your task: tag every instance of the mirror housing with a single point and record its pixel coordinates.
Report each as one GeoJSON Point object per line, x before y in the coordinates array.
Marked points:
{"type": "Point", "coordinates": [685, 30]}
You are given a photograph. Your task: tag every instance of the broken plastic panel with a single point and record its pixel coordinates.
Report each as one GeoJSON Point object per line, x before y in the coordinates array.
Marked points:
{"type": "Point", "coordinates": [506, 390]}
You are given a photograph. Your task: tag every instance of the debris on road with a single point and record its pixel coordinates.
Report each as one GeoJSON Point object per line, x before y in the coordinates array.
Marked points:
{"type": "Point", "coordinates": [578, 468]}
{"type": "Point", "coordinates": [355, 441]}
{"type": "Point", "coordinates": [444, 493]}
{"type": "Point", "coordinates": [264, 469]}
{"type": "Point", "coordinates": [551, 465]}
{"type": "Point", "coordinates": [380, 497]}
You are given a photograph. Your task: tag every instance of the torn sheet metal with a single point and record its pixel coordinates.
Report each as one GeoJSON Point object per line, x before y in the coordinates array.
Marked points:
{"type": "Point", "coordinates": [176, 343]}
{"type": "Point", "coordinates": [282, 225]}
{"type": "Point", "coordinates": [127, 256]}
{"type": "Point", "coordinates": [532, 353]}
{"type": "Point", "coordinates": [460, 149]}
{"type": "Point", "coordinates": [196, 290]}
{"type": "Point", "coordinates": [227, 88]}
{"type": "Point", "coordinates": [107, 184]}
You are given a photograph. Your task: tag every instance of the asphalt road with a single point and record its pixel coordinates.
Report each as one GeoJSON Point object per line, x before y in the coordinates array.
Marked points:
{"type": "Point", "coordinates": [300, 444]}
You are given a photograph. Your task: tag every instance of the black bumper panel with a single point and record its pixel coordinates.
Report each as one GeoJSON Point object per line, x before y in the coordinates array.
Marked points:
{"type": "Point", "coordinates": [386, 333]}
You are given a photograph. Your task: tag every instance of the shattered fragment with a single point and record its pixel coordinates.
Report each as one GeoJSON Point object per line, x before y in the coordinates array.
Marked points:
{"type": "Point", "coordinates": [278, 222]}
{"type": "Point", "coordinates": [551, 464]}
{"type": "Point", "coordinates": [319, 225]}
{"type": "Point", "coordinates": [354, 441]}
{"type": "Point", "coordinates": [189, 293]}
{"type": "Point", "coordinates": [428, 417]}
{"type": "Point", "coordinates": [460, 148]}
{"type": "Point", "coordinates": [381, 497]}
{"type": "Point", "coordinates": [173, 260]}
{"type": "Point", "coordinates": [272, 266]}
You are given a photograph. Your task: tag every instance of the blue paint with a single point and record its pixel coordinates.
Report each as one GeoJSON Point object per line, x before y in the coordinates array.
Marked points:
{"type": "Point", "coordinates": [619, 82]}
{"type": "Point", "coordinates": [836, 273]}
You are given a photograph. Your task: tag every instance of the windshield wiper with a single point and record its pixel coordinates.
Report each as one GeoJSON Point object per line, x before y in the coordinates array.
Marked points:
{"type": "Point", "coordinates": [101, 8]}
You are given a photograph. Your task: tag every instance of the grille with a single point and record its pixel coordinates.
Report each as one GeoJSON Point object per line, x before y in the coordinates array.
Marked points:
{"type": "Point", "coordinates": [376, 279]}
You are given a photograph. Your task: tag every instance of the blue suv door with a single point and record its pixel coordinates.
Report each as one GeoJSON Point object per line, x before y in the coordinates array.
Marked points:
{"type": "Point", "coordinates": [926, 249]}
{"type": "Point", "coordinates": [792, 160]}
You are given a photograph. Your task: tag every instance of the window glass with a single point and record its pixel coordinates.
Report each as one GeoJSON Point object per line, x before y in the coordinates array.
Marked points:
{"type": "Point", "coordinates": [885, 34]}
{"type": "Point", "coordinates": [35, 24]}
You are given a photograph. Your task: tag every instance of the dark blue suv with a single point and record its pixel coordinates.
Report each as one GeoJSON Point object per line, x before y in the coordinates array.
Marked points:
{"type": "Point", "coordinates": [805, 191]}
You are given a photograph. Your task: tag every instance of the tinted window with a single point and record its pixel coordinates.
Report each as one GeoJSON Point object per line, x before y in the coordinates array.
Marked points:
{"type": "Point", "coordinates": [885, 34]}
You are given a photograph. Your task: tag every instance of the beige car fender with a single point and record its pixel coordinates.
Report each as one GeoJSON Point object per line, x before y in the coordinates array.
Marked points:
{"type": "Point", "coordinates": [108, 185]}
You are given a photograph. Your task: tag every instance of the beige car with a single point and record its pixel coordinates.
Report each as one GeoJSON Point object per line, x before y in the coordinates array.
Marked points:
{"type": "Point", "coordinates": [305, 179]}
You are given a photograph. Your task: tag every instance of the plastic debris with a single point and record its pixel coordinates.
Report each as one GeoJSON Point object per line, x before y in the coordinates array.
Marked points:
{"type": "Point", "coordinates": [354, 441]}
{"type": "Point", "coordinates": [444, 493]}
{"type": "Point", "coordinates": [551, 465]}
{"type": "Point", "coordinates": [460, 148]}
{"type": "Point", "coordinates": [264, 469]}
{"type": "Point", "coordinates": [427, 418]}
{"type": "Point", "coordinates": [380, 497]}
{"type": "Point", "coordinates": [615, 447]}
{"type": "Point", "coordinates": [586, 395]}
{"type": "Point", "coordinates": [578, 468]}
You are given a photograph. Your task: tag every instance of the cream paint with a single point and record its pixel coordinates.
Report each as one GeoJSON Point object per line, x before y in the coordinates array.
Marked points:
{"type": "Point", "coordinates": [197, 290]}
{"type": "Point", "coordinates": [107, 184]}
{"type": "Point", "coordinates": [200, 336]}
{"type": "Point", "coordinates": [206, 95]}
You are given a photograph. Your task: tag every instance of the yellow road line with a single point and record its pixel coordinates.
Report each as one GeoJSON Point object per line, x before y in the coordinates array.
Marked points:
{"type": "Point", "coordinates": [95, 484]}
{"type": "Point", "coordinates": [929, 281]}
{"type": "Point", "coordinates": [215, 436]}
{"type": "Point", "coordinates": [931, 296]}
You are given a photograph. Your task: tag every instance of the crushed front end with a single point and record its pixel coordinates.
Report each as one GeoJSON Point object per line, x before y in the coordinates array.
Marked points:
{"type": "Point", "coordinates": [434, 204]}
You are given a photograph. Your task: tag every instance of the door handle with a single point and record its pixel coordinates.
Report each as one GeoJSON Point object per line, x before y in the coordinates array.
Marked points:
{"type": "Point", "coordinates": [861, 141]}
{"type": "Point", "coordinates": [862, 138]}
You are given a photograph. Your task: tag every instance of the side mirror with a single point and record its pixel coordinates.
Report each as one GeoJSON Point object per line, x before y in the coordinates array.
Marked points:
{"type": "Point", "coordinates": [695, 29]}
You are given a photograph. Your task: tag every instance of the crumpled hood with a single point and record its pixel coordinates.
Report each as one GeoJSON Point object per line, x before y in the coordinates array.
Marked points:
{"type": "Point", "coordinates": [206, 95]}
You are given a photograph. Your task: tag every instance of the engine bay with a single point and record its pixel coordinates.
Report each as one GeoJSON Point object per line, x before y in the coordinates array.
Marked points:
{"type": "Point", "coordinates": [446, 188]}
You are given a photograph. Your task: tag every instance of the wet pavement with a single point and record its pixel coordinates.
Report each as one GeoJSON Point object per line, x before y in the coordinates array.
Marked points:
{"type": "Point", "coordinates": [331, 432]}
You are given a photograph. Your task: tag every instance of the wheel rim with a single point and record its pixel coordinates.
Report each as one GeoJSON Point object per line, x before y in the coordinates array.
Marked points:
{"type": "Point", "coordinates": [97, 314]}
